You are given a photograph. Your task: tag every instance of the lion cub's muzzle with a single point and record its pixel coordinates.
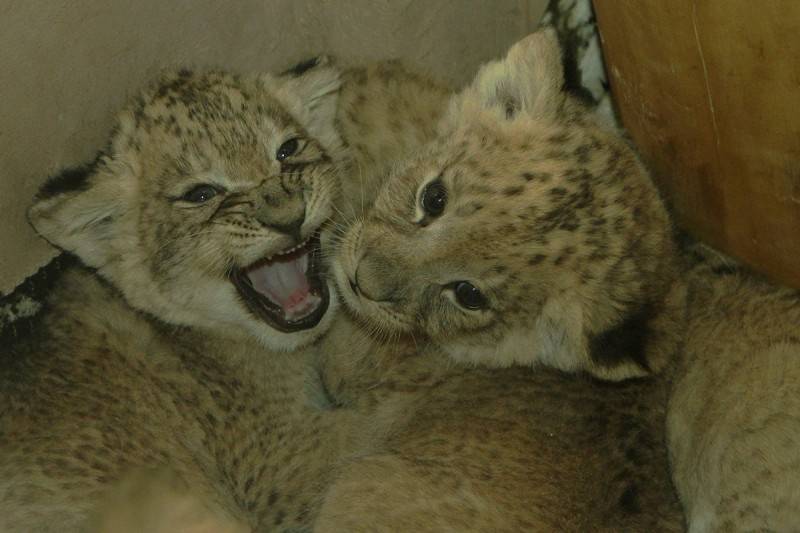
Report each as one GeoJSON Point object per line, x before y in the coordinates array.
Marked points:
{"type": "Point", "coordinates": [282, 206]}
{"type": "Point", "coordinates": [285, 289]}
{"type": "Point", "coordinates": [374, 278]}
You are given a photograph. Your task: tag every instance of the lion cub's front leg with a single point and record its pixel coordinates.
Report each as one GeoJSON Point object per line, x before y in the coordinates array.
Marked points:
{"type": "Point", "coordinates": [161, 503]}
{"type": "Point", "coordinates": [387, 493]}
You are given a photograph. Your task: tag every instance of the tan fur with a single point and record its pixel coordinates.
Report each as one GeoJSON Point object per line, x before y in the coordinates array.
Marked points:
{"type": "Point", "coordinates": [156, 362]}
{"type": "Point", "coordinates": [733, 426]}
{"type": "Point", "coordinates": [101, 389]}
{"type": "Point", "coordinates": [171, 259]}
{"type": "Point", "coordinates": [159, 502]}
{"type": "Point", "coordinates": [500, 450]}
{"type": "Point", "coordinates": [386, 112]}
{"type": "Point", "coordinates": [554, 218]}
{"type": "Point", "coordinates": [549, 213]}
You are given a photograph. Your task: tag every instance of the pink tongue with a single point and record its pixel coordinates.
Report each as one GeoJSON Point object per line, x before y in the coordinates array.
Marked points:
{"type": "Point", "coordinates": [284, 282]}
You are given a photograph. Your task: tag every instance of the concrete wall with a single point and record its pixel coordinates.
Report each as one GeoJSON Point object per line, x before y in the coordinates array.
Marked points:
{"type": "Point", "coordinates": [67, 66]}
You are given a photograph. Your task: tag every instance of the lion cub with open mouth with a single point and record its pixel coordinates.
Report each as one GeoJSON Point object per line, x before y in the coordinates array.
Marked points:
{"type": "Point", "coordinates": [199, 231]}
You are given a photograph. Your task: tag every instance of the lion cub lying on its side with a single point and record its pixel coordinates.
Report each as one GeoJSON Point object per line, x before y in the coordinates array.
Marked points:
{"type": "Point", "coordinates": [527, 231]}
{"type": "Point", "coordinates": [733, 426]}
{"type": "Point", "coordinates": [530, 233]}
{"type": "Point", "coordinates": [200, 227]}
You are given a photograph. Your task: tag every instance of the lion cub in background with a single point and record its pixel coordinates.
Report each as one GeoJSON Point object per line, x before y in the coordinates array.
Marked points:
{"type": "Point", "coordinates": [734, 414]}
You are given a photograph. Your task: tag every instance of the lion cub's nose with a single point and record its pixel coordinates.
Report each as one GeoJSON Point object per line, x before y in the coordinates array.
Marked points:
{"type": "Point", "coordinates": [282, 208]}
{"type": "Point", "coordinates": [375, 278]}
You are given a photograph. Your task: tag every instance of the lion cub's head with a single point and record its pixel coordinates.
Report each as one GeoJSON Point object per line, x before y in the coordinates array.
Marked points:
{"type": "Point", "coordinates": [529, 232]}
{"type": "Point", "coordinates": [206, 207]}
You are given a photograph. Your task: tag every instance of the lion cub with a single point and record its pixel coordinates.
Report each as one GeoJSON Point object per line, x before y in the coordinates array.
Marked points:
{"type": "Point", "coordinates": [517, 236]}
{"type": "Point", "coordinates": [198, 229]}
{"type": "Point", "coordinates": [733, 427]}
{"type": "Point", "coordinates": [530, 233]}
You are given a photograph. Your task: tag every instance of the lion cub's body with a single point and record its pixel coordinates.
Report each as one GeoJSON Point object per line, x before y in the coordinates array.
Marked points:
{"type": "Point", "coordinates": [386, 113]}
{"type": "Point", "coordinates": [530, 233]}
{"type": "Point", "coordinates": [733, 426]}
{"type": "Point", "coordinates": [546, 215]}
{"type": "Point", "coordinates": [505, 450]}
{"type": "Point", "coordinates": [159, 365]}
{"type": "Point", "coordinates": [100, 390]}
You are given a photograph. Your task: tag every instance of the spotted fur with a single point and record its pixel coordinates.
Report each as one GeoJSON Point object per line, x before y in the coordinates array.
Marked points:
{"type": "Point", "coordinates": [733, 427]}
{"type": "Point", "coordinates": [99, 390]}
{"type": "Point", "coordinates": [553, 217]}
{"type": "Point", "coordinates": [144, 357]}
{"type": "Point", "coordinates": [549, 213]}
{"type": "Point", "coordinates": [387, 112]}
{"type": "Point", "coordinates": [488, 449]}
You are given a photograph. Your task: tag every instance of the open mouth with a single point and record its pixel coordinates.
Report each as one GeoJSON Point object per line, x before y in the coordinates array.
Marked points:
{"type": "Point", "coordinates": [286, 290]}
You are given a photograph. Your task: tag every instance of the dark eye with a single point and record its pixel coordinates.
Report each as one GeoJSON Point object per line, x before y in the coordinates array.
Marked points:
{"type": "Point", "coordinates": [287, 149]}
{"type": "Point", "coordinates": [200, 194]}
{"type": "Point", "coordinates": [468, 295]}
{"type": "Point", "coordinates": [434, 198]}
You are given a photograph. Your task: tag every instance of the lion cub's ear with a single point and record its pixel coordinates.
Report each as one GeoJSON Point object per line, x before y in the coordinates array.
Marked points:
{"type": "Point", "coordinates": [310, 91]}
{"type": "Point", "coordinates": [78, 210]}
{"type": "Point", "coordinates": [528, 81]}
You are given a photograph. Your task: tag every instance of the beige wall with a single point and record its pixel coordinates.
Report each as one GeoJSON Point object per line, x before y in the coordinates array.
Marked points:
{"type": "Point", "coordinates": [66, 66]}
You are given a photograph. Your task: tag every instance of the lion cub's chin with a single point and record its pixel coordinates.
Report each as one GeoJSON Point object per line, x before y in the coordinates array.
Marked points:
{"type": "Point", "coordinates": [287, 342]}
{"type": "Point", "coordinates": [230, 317]}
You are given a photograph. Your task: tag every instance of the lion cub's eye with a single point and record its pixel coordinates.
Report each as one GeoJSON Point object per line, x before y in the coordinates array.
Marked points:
{"type": "Point", "coordinates": [200, 194]}
{"type": "Point", "coordinates": [287, 149]}
{"type": "Point", "coordinates": [434, 198]}
{"type": "Point", "coordinates": [469, 296]}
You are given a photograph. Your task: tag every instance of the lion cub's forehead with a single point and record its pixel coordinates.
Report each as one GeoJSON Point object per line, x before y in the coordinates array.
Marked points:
{"type": "Point", "coordinates": [188, 119]}
{"type": "Point", "coordinates": [211, 96]}
{"type": "Point", "coordinates": [525, 162]}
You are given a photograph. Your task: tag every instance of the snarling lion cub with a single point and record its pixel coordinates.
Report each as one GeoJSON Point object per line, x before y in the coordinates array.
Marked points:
{"type": "Point", "coordinates": [171, 345]}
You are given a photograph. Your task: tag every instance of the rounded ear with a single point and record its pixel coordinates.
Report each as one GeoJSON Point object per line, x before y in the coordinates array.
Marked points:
{"type": "Point", "coordinates": [621, 351]}
{"type": "Point", "coordinates": [307, 64]}
{"type": "Point", "coordinates": [310, 90]}
{"type": "Point", "coordinates": [642, 344]}
{"type": "Point", "coordinates": [78, 210]}
{"type": "Point", "coordinates": [528, 81]}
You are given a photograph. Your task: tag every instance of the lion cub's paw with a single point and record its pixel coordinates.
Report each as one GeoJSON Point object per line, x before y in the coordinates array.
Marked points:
{"type": "Point", "coordinates": [160, 503]}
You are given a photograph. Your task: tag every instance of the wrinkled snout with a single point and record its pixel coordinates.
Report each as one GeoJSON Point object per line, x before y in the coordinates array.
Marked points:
{"type": "Point", "coordinates": [282, 205]}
